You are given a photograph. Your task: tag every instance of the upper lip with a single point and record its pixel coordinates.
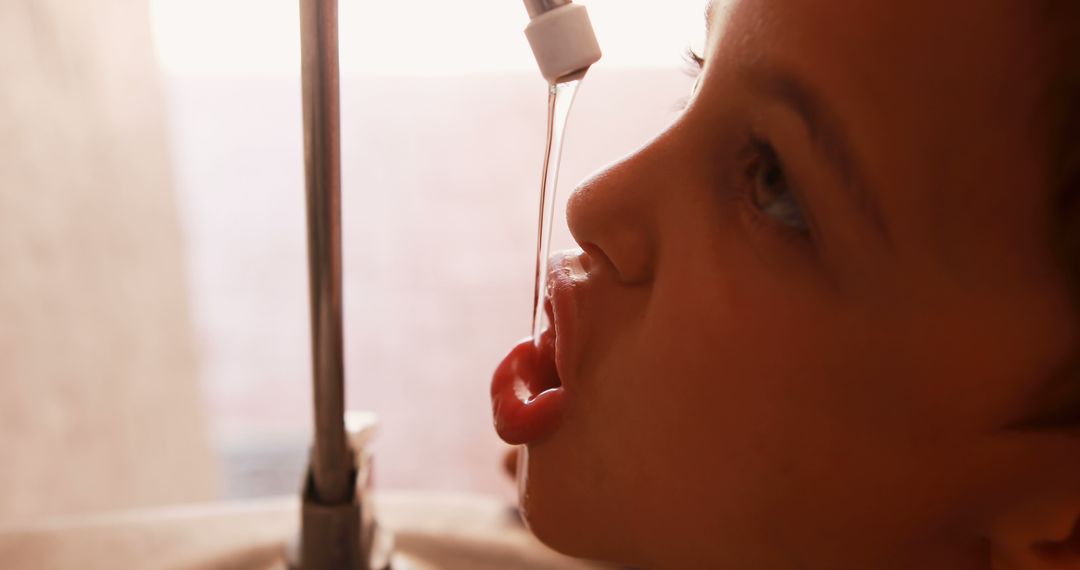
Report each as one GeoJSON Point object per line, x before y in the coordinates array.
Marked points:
{"type": "Point", "coordinates": [566, 276]}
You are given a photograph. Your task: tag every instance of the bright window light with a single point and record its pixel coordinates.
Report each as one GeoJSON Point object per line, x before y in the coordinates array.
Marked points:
{"type": "Point", "coordinates": [419, 37]}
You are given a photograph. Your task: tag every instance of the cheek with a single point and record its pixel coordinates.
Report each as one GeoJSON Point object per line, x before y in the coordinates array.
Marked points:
{"type": "Point", "coordinates": [786, 405]}
{"type": "Point", "coordinates": [734, 392]}
{"type": "Point", "coordinates": [726, 395]}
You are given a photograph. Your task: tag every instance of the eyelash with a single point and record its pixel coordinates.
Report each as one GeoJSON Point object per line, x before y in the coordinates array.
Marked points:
{"type": "Point", "coordinates": [694, 60]}
{"type": "Point", "coordinates": [695, 64]}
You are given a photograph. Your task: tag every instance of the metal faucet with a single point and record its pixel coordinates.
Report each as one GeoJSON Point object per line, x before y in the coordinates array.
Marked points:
{"type": "Point", "coordinates": [537, 7]}
{"type": "Point", "coordinates": [338, 529]}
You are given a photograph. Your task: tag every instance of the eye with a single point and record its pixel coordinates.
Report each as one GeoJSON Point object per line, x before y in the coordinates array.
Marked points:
{"type": "Point", "coordinates": [769, 190]}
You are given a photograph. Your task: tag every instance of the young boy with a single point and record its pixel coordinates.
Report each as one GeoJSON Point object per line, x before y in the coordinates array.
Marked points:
{"type": "Point", "coordinates": [827, 319]}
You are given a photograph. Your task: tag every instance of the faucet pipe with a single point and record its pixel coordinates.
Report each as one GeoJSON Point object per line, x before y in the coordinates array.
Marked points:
{"type": "Point", "coordinates": [331, 458]}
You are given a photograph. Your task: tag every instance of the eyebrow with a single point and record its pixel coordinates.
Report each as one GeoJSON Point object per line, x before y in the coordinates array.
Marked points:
{"type": "Point", "coordinates": [826, 131]}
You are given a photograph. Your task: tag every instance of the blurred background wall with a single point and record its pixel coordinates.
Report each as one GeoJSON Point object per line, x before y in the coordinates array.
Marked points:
{"type": "Point", "coordinates": [443, 117]}
{"type": "Point", "coordinates": [100, 406]}
{"type": "Point", "coordinates": [153, 288]}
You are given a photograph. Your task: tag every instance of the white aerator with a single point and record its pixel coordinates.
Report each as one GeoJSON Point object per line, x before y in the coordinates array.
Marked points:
{"type": "Point", "coordinates": [562, 39]}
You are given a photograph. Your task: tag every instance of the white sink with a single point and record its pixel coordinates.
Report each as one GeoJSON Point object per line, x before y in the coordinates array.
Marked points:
{"type": "Point", "coordinates": [431, 531]}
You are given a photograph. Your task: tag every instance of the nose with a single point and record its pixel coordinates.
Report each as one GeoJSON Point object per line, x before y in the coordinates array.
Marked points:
{"type": "Point", "coordinates": [612, 217]}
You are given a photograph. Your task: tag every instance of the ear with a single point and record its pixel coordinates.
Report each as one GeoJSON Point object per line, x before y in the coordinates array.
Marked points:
{"type": "Point", "coordinates": [1038, 537]}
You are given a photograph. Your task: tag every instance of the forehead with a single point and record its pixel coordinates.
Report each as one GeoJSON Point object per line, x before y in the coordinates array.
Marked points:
{"type": "Point", "coordinates": [923, 54]}
{"type": "Point", "coordinates": [944, 103]}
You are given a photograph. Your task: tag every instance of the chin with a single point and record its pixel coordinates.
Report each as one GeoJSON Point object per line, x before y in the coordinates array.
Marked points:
{"type": "Point", "coordinates": [563, 508]}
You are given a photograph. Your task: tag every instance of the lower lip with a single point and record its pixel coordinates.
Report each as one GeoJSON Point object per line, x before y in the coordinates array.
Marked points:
{"type": "Point", "coordinates": [527, 396]}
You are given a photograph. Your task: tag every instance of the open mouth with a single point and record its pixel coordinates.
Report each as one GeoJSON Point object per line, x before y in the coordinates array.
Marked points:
{"type": "Point", "coordinates": [548, 378]}
{"type": "Point", "coordinates": [527, 392]}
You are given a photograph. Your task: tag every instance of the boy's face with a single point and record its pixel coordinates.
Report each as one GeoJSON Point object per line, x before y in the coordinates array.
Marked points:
{"type": "Point", "coordinates": [817, 305]}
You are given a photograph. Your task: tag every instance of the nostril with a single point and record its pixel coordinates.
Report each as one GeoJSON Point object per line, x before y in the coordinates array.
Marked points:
{"type": "Point", "coordinates": [630, 261]}
{"type": "Point", "coordinates": [594, 257]}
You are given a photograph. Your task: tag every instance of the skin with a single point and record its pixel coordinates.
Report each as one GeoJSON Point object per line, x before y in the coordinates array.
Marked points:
{"type": "Point", "coordinates": [744, 394]}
